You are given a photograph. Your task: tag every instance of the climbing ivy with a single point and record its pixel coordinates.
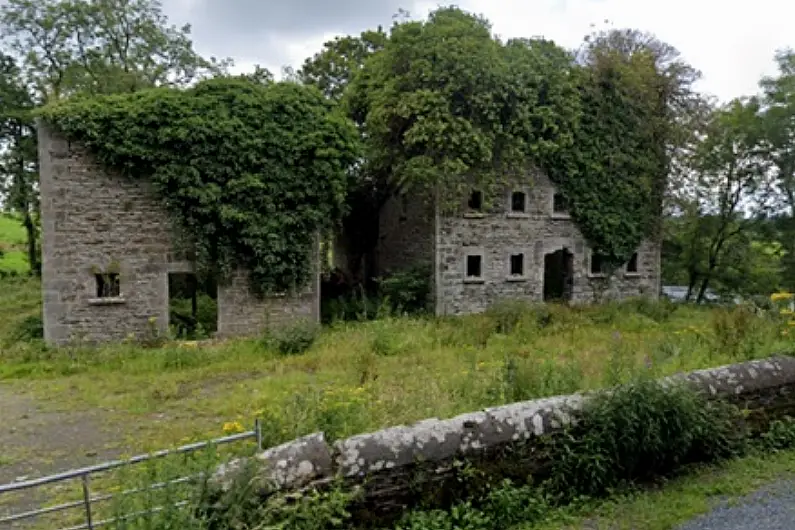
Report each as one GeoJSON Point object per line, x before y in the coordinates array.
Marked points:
{"type": "Point", "coordinates": [613, 171]}
{"type": "Point", "coordinates": [251, 171]}
{"type": "Point", "coordinates": [444, 99]}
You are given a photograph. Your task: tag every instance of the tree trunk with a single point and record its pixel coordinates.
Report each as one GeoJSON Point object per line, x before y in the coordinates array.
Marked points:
{"type": "Point", "coordinates": [703, 289]}
{"type": "Point", "coordinates": [30, 231]}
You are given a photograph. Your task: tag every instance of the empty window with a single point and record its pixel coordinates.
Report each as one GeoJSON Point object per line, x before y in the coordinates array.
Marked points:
{"type": "Point", "coordinates": [559, 204]}
{"type": "Point", "coordinates": [632, 264]}
{"type": "Point", "coordinates": [517, 264]}
{"type": "Point", "coordinates": [518, 202]}
{"type": "Point", "coordinates": [108, 285]}
{"type": "Point", "coordinates": [476, 200]}
{"type": "Point", "coordinates": [597, 263]}
{"type": "Point", "coordinates": [474, 266]}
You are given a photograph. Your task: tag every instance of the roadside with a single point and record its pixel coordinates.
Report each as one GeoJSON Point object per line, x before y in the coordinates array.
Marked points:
{"type": "Point", "coordinates": [752, 493]}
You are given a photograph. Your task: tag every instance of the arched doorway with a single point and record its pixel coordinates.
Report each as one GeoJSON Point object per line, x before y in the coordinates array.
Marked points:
{"type": "Point", "coordinates": [558, 275]}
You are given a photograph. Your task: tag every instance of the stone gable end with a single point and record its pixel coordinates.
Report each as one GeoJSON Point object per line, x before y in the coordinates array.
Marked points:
{"type": "Point", "coordinates": [95, 221]}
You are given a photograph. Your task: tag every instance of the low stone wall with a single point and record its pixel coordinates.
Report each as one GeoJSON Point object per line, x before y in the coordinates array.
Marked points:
{"type": "Point", "coordinates": [398, 465]}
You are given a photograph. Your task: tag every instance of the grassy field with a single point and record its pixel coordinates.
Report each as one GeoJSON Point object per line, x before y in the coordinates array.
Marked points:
{"type": "Point", "coordinates": [12, 245]}
{"type": "Point", "coordinates": [362, 376]}
{"type": "Point", "coordinates": [356, 377]}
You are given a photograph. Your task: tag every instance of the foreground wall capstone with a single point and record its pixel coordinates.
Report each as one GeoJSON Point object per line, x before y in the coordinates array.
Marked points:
{"type": "Point", "coordinates": [398, 465]}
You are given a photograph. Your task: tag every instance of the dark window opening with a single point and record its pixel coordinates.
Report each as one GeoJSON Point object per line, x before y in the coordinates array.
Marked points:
{"type": "Point", "coordinates": [108, 285]}
{"type": "Point", "coordinates": [518, 202]}
{"type": "Point", "coordinates": [632, 264]}
{"type": "Point", "coordinates": [559, 203]}
{"type": "Point", "coordinates": [517, 264]}
{"type": "Point", "coordinates": [474, 266]}
{"type": "Point", "coordinates": [475, 200]}
{"type": "Point", "coordinates": [598, 263]}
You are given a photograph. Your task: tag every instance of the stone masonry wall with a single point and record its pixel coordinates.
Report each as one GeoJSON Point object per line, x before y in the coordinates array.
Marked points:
{"type": "Point", "coordinates": [94, 220]}
{"type": "Point", "coordinates": [406, 233]}
{"type": "Point", "coordinates": [244, 314]}
{"type": "Point", "coordinates": [499, 233]}
{"type": "Point", "coordinates": [398, 466]}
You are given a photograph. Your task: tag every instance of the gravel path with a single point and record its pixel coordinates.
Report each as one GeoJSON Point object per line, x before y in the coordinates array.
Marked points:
{"type": "Point", "coordinates": [35, 441]}
{"type": "Point", "coordinates": [770, 508]}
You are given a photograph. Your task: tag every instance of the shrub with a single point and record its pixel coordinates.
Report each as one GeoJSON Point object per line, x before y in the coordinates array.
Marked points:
{"type": "Point", "coordinates": [638, 432]}
{"type": "Point", "coordinates": [506, 314]}
{"type": "Point", "coordinates": [658, 310]}
{"type": "Point", "coordinates": [293, 339]}
{"type": "Point", "coordinates": [737, 331]}
{"type": "Point", "coordinates": [408, 291]}
{"type": "Point", "coordinates": [28, 329]}
{"type": "Point", "coordinates": [185, 326]}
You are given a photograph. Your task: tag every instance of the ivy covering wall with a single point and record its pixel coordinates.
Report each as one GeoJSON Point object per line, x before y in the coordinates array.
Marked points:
{"type": "Point", "coordinates": [251, 171]}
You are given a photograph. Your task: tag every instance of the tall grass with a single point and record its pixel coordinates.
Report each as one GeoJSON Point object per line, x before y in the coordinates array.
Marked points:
{"type": "Point", "coordinates": [358, 376]}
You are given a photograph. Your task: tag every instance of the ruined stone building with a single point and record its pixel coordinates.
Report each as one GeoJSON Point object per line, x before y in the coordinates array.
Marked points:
{"type": "Point", "coordinates": [523, 246]}
{"type": "Point", "coordinates": [108, 249]}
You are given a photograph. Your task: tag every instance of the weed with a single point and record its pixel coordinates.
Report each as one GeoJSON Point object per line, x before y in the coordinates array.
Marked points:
{"type": "Point", "coordinates": [293, 339]}
{"type": "Point", "coordinates": [638, 432]}
{"type": "Point", "coordinates": [738, 332]}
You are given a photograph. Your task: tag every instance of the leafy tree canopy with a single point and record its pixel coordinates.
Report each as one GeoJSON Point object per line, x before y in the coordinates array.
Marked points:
{"type": "Point", "coordinates": [100, 46]}
{"type": "Point", "coordinates": [251, 170]}
{"type": "Point", "coordinates": [445, 105]}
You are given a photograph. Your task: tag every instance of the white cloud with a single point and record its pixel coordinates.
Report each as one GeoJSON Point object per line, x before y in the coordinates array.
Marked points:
{"type": "Point", "coordinates": [732, 43]}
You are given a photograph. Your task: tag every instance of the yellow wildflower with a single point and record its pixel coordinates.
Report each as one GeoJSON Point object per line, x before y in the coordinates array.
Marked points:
{"type": "Point", "coordinates": [232, 427]}
{"type": "Point", "coordinates": [776, 297]}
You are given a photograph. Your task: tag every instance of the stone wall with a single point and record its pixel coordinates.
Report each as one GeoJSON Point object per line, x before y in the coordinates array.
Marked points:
{"type": "Point", "coordinates": [498, 233]}
{"type": "Point", "coordinates": [406, 233]}
{"type": "Point", "coordinates": [240, 313]}
{"type": "Point", "coordinates": [96, 221]}
{"type": "Point", "coordinates": [395, 465]}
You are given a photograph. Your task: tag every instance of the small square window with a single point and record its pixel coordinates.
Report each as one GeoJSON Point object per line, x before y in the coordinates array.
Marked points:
{"type": "Point", "coordinates": [517, 265]}
{"type": "Point", "coordinates": [475, 200]}
{"type": "Point", "coordinates": [108, 285]}
{"type": "Point", "coordinates": [632, 264]}
{"type": "Point", "coordinates": [559, 203]}
{"type": "Point", "coordinates": [518, 202]}
{"type": "Point", "coordinates": [474, 266]}
{"type": "Point", "coordinates": [597, 263]}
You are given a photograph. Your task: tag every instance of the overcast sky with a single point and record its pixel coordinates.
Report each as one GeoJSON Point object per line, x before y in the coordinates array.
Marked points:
{"type": "Point", "coordinates": [731, 42]}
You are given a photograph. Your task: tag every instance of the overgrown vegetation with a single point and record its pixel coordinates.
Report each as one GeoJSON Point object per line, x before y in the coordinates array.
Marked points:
{"type": "Point", "coordinates": [252, 172]}
{"type": "Point", "coordinates": [636, 435]}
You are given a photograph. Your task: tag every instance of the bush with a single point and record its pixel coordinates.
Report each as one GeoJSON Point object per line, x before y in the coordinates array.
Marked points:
{"type": "Point", "coordinates": [506, 314]}
{"type": "Point", "coordinates": [408, 291]}
{"type": "Point", "coordinates": [183, 323]}
{"type": "Point", "coordinates": [638, 432]}
{"type": "Point", "coordinates": [738, 331]}
{"type": "Point", "coordinates": [293, 339]}
{"type": "Point", "coordinates": [658, 310]}
{"type": "Point", "coordinates": [28, 329]}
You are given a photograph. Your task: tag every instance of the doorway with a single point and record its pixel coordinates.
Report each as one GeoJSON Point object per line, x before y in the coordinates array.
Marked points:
{"type": "Point", "coordinates": [558, 276]}
{"type": "Point", "coordinates": [193, 306]}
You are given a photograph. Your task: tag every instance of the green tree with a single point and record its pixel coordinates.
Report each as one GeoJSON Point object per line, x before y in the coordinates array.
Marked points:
{"type": "Point", "coordinates": [778, 102]}
{"type": "Point", "coordinates": [18, 155]}
{"type": "Point", "coordinates": [100, 46]}
{"type": "Point", "coordinates": [442, 99]}
{"type": "Point", "coordinates": [333, 68]}
{"type": "Point", "coordinates": [727, 176]}
{"type": "Point", "coordinates": [637, 96]}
